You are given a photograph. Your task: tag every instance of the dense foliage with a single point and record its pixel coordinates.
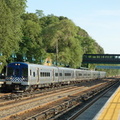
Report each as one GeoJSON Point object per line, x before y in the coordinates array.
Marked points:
{"type": "Point", "coordinates": [55, 37]}
{"type": "Point", "coordinates": [10, 27]}
{"type": "Point", "coordinates": [33, 37]}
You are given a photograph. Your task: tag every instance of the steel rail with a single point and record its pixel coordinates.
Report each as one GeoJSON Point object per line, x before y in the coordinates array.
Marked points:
{"type": "Point", "coordinates": [73, 117]}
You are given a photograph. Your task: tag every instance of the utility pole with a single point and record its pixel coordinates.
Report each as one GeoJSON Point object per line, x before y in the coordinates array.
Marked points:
{"type": "Point", "coordinates": [56, 51]}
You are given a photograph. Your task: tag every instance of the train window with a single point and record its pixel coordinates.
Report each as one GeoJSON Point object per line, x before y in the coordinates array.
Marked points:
{"type": "Point", "coordinates": [48, 74]}
{"type": "Point", "coordinates": [10, 71]}
{"type": "Point", "coordinates": [56, 74]}
{"type": "Point", "coordinates": [60, 74]}
{"type": "Point", "coordinates": [84, 74]}
{"type": "Point", "coordinates": [33, 74]}
{"type": "Point", "coordinates": [80, 74]}
{"type": "Point", "coordinates": [41, 74]}
{"type": "Point", "coordinates": [44, 74]}
{"type": "Point", "coordinates": [25, 72]}
{"type": "Point", "coordinates": [16, 72]}
{"type": "Point", "coordinates": [30, 72]}
{"type": "Point", "coordinates": [67, 74]}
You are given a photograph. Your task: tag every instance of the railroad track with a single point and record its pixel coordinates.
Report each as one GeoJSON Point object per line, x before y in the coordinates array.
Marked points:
{"type": "Point", "coordinates": [17, 96]}
{"type": "Point", "coordinates": [63, 98]}
{"type": "Point", "coordinates": [9, 109]}
{"type": "Point", "coordinates": [89, 103]}
{"type": "Point", "coordinates": [4, 94]}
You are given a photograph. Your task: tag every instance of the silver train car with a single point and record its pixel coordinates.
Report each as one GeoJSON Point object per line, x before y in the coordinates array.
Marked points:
{"type": "Point", "coordinates": [27, 76]}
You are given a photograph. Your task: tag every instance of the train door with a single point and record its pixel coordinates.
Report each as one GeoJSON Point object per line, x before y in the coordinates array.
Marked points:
{"type": "Point", "coordinates": [58, 77]}
{"type": "Point", "coordinates": [53, 75]}
{"type": "Point", "coordinates": [38, 75]}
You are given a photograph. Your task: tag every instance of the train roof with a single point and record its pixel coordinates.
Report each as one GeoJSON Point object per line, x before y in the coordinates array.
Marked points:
{"type": "Point", "coordinates": [17, 63]}
{"type": "Point", "coordinates": [27, 64]}
{"type": "Point", "coordinates": [32, 64]}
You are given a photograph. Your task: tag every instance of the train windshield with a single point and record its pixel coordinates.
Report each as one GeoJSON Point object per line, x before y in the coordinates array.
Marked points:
{"type": "Point", "coordinates": [10, 71]}
{"type": "Point", "coordinates": [13, 72]}
{"type": "Point", "coordinates": [17, 72]}
{"type": "Point", "coordinates": [24, 72]}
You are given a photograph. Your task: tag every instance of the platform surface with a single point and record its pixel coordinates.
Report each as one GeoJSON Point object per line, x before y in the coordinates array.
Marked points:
{"type": "Point", "coordinates": [111, 110]}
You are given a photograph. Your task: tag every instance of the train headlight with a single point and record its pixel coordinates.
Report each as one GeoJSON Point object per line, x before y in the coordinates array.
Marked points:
{"type": "Point", "coordinates": [24, 79]}
{"type": "Point", "coordinates": [8, 78]}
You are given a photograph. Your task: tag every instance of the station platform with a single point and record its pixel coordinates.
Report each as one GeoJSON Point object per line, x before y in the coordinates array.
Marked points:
{"type": "Point", "coordinates": [111, 110]}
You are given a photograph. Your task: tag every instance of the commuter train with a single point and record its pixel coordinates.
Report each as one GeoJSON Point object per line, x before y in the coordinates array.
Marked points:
{"type": "Point", "coordinates": [27, 76]}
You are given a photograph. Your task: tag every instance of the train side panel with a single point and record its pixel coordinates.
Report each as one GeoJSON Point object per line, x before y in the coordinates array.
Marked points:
{"type": "Point", "coordinates": [42, 74]}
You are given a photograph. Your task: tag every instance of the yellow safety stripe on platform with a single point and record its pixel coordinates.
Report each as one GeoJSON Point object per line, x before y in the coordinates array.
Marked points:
{"type": "Point", "coordinates": [111, 111]}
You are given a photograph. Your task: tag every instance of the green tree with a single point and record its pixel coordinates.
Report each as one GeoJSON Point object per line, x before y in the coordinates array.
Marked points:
{"type": "Point", "coordinates": [88, 45]}
{"type": "Point", "coordinates": [63, 33]}
{"type": "Point", "coordinates": [47, 20]}
{"type": "Point", "coordinates": [40, 13]}
{"type": "Point", "coordinates": [10, 26]}
{"type": "Point", "coordinates": [31, 44]}
{"type": "Point", "coordinates": [81, 32]}
{"type": "Point", "coordinates": [30, 16]}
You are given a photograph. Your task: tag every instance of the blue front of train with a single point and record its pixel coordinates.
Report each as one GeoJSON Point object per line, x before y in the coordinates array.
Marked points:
{"type": "Point", "coordinates": [17, 75]}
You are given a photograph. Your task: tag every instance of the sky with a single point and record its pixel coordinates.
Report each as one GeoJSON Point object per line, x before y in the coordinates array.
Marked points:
{"type": "Point", "coordinates": [99, 18]}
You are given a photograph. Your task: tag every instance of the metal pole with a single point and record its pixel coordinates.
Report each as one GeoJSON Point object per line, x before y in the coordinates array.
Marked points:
{"type": "Point", "coordinates": [56, 51]}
